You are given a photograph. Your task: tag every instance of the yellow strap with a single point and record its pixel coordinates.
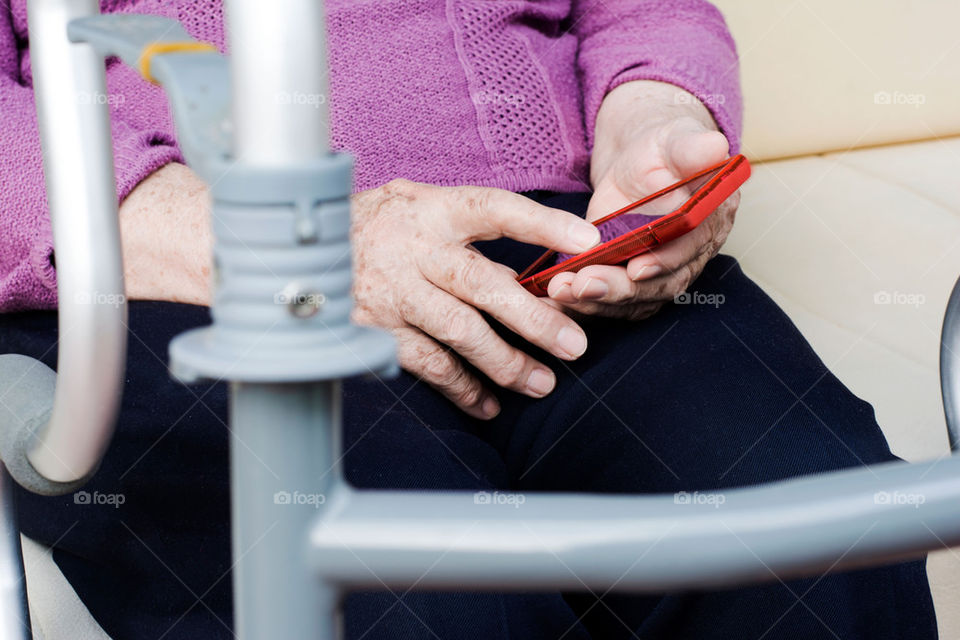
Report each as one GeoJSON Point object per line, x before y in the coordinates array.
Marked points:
{"type": "Point", "coordinates": [157, 48]}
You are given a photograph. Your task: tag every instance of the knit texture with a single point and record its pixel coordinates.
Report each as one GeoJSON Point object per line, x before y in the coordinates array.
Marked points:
{"type": "Point", "coordinates": [501, 94]}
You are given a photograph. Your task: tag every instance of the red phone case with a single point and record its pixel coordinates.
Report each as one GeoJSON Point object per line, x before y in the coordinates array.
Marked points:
{"type": "Point", "coordinates": [730, 175]}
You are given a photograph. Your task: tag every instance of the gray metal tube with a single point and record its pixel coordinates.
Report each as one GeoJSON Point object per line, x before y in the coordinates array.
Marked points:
{"type": "Point", "coordinates": [14, 615]}
{"type": "Point", "coordinates": [805, 527]}
{"type": "Point", "coordinates": [279, 78]}
{"type": "Point", "coordinates": [283, 443]}
{"type": "Point", "coordinates": [71, 97]}
{"type": "Point", "coordinates": [284, 473]}
{"type": "Point", "coordinates": [950, 367]}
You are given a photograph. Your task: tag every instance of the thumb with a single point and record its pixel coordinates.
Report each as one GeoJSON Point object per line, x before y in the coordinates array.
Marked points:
{"type": "Point", "coordinates": [606, 199]}
{"type": "Point", "coordinates": [688, 152]}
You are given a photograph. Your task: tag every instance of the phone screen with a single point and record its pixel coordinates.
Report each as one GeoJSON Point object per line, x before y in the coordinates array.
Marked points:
{"type": "Point", "coordinates": [638, 215]}
{"type": "Point", "coordinates": [639, 227]}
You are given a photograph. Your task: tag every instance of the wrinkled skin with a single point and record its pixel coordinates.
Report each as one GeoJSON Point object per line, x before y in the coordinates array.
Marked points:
{"type": "Point", "coordinates": [648, 136]}
{"type": "Point", "coordinates": [418, 277]}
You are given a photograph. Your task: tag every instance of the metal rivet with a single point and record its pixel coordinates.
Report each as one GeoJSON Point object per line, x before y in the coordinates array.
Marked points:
{"type": "Point", "coordinates": [306, 231]}
{"type": "Point", "coordinates": [301, 303]}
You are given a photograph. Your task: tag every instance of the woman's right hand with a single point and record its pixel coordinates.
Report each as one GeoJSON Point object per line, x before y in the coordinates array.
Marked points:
{"type": "Point", "coordinates": [417, 276]}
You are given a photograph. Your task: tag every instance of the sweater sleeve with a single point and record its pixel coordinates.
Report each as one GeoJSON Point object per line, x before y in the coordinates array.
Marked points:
{"type": "Point", "coordinates": [143, 141]}
{"type": "Point", "coordinates": [682, 42]}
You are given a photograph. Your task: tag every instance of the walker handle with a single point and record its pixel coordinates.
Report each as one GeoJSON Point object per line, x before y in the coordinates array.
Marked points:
{"type": "Point", "coordinates": [54, 429]}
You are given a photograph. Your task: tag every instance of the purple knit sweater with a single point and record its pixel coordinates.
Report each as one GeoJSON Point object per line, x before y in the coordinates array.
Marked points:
{"type": "Point", "coordinates": [500, 93]}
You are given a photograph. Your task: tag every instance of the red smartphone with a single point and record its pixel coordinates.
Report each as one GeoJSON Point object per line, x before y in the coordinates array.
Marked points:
{"type": "Point", "coordinates": [663, 216]}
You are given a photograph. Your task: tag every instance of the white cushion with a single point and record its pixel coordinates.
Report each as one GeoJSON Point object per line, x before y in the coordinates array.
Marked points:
{"type": "Point", "coordinates": [817, 74]}
{"type": "Point", "coordinates": [56, 612]}
{"type": "Point", "coordinates": [862, 249]}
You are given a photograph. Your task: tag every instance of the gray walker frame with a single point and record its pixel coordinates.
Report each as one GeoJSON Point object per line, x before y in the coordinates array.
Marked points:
{"type": "Point", "coordinates": [254, 128]}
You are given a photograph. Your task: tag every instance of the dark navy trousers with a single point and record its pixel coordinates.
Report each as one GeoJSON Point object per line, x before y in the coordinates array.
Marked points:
{"type": "Point", "coordinates": [701, 396]}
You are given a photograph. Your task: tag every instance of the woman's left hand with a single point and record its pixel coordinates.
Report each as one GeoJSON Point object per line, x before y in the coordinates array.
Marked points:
{"type": "Point", "coordinates": [649, 135]}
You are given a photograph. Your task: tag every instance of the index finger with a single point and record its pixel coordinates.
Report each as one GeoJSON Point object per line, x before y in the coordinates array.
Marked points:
{"type": "Point", "coordinates": [482, 213]}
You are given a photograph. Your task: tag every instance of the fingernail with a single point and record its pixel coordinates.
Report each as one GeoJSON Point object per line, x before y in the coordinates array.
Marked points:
{"type": "Point", "coordinates": [540, 382]}
{"type": "Point", "coordinates": [584, 235]}
{"type": "Point", "coordinates": [647, 272]}
{"type": "Point", "coordinates": [490, 407]}
{"type": "Point", "coordinates": [593, 288]}
{"type": "Point", "coordinates": [571, 342]}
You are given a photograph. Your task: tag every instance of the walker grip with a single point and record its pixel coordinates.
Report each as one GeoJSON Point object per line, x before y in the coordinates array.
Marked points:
{"type": "Point", "coordinates": [27, 403]}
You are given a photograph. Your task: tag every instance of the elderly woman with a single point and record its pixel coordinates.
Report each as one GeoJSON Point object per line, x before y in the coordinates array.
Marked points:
{"type": "Point", "coordinates": [481, 129]}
